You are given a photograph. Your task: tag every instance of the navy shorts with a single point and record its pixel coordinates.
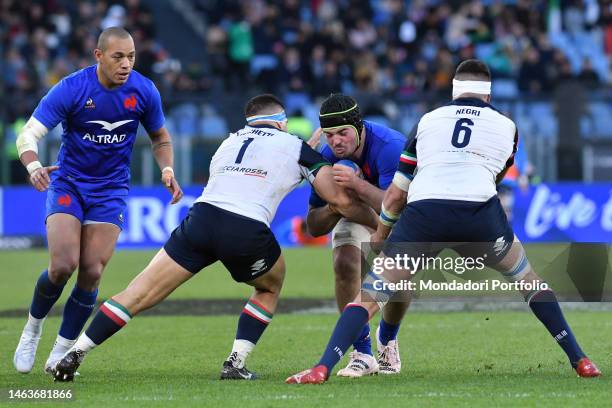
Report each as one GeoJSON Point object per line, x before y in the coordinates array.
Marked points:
{"type": "Point", "coordinates": [64, 197]}
{"type": "Point", "coordinates": [470, 228]}
{"type": "Point", "coordinates": [246, 247]}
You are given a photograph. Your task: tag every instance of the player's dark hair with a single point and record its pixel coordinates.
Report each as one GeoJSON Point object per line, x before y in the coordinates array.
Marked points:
{"type": "Point", "coordinates": [262, 104]}
{"type": "Point", "coordinates": [338, 110]}
{"type": "Point", "coordinates": [473, 69]}
{"type": "Point", "coordinates": [105, 35]}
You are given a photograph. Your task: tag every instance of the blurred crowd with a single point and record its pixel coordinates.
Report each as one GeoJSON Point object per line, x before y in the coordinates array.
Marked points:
{"type": "Point", "coordinates": [398, 48]}
{"type": "Point", "coordinates": [43, 41]}
{"type": "Point", "coordinates": [405, 48]}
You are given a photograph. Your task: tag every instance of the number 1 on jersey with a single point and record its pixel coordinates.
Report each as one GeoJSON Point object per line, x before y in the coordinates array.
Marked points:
{"type": "Point", "coordinates": [462, 126]}
{"type": "Point", "coordinates": [245, 144]}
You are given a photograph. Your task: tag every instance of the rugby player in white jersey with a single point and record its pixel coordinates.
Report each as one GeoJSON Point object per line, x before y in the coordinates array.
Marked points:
{"type": "Point", "coordinates": [445, 192]}
{"type": "Point", "coordinates": [251, 172]}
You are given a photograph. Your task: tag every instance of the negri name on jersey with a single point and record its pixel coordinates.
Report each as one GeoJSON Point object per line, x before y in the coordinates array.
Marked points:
{"type": "Point", "coordinates": [105, 139]}
{"type": "Point", "coordinates": [468, 111]}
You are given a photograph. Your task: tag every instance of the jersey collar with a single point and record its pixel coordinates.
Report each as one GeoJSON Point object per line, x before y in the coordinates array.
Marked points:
{"type": "Point", "coordinates": [263, 127]}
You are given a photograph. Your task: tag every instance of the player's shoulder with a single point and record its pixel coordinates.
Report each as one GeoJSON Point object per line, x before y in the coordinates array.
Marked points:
{"type": "Point", "coordinates": [79, 78]}
{"type": "Point", "coordinates": [138, 78]}
{"type": "Point", "coordinates": [140, 81]}
{"type": "Point", "coordinates": [460, 104]}
{"type": "Point", "coordinates": [384, 137]}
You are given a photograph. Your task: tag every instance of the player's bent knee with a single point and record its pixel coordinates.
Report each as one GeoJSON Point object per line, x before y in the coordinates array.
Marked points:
{"type": "Point", "coordinates": [61, 269]}
{"type": "Point", "coordinates": [271, 281]}
{"type": "Point", "coordinates": [347, 262]}
{"type": "Point", "coordinates": [91, 273]}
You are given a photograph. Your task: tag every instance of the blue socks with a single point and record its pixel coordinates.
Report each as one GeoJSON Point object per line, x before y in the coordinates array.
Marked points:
{"type": "Point", "coordinates": [364, 342]}
{"type": "Point", "coordinates": [45, 295]}
{"type": "Point", "coordinates": [77, 310]}
{"type": "Point", "coordinates": [349, 326]}
{"type": "Point", "coordinates": [546, 308]}
{"type": "Point", "coordinates": [387, 332]}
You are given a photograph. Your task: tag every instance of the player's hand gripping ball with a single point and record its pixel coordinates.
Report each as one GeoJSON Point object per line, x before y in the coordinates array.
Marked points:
{"type": "Point", "coordinates": [347, 174]}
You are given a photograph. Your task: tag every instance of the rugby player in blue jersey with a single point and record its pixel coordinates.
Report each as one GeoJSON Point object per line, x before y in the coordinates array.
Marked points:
{"type": "Point", "coordinates": [375, 149]}
{"type": "Point", "coordinates": [99, 108]}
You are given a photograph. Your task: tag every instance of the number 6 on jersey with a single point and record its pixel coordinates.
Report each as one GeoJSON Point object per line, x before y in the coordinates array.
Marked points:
{"type": "Point", "coordinates": [462, 125]}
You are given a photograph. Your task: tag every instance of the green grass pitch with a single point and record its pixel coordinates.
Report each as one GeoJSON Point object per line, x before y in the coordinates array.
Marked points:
{"type": "Point", "coordinates": [450, 359]}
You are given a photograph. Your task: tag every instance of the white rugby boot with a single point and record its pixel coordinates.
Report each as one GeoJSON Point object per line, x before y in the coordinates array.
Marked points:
{"type": "Point", "coordinates": [25, 354]}
{"type": "Point", "coordinates": [359, 365]}
{"type": "Point", "coordinates": [388, 356]}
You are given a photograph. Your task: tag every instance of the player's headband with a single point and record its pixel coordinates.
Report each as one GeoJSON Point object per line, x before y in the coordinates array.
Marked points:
{"type": "Point", "coordinates": [276, 117]}
{"type": "Point", "coordinates": [475, 87]}
{"type": "Point", "coordinates": [335, 120]}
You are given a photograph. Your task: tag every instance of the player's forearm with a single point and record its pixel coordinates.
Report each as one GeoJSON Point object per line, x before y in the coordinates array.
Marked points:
{"type": "Point", "coordinates": [392, 205]}
{"type": "Point", "coordinates": [394, 199]}
{"type": "Point", "coordinates": [321, 220]}
{"type": "Point", "coordinates": [162, 148]}
{"type": "Point", "coordinates": [370, 194]}
{"type": "Point", "coordinates": [360, 213]}
{"type": "Point", "coordinates": [28, 157]}
{"type": "Point", "coordinates": [27, 143]}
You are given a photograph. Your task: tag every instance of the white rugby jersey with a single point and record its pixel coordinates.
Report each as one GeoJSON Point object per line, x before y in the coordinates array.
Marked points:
{"type": "Point", "coordinates": [255, 168]}
{"type": "Point", "coordinates": [459, 150]}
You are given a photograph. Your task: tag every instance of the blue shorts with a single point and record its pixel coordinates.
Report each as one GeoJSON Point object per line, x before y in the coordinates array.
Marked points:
{"type": "Point", "coordinates": [64, 197]}
{"type": "Point", "coordinates": [424, 224]}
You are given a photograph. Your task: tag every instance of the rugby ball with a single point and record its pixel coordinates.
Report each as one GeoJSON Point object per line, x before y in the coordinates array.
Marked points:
{"type": "Point", "coordinates": [351, 164]}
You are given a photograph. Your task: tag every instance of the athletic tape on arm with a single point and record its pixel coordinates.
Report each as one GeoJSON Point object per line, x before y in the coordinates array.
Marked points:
{"type": "Point", "coordinates": [29, 136]}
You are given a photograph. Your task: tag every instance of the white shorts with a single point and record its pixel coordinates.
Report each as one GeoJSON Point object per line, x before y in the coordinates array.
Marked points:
{"type": "Point", "coordinates": [350, 233]}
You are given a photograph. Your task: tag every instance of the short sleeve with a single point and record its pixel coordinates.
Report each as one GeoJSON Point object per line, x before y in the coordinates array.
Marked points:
{"type": "Point", "coordinates": [153, 118]}
{"type": "Point", "coordinates": [55, 106]}
{"type": "Point", "coordinates": [311, 161]}
{"type": "Point", "coordinates": [408, 158]}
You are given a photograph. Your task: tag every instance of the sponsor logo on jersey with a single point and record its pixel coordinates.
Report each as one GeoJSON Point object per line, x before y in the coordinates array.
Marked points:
{"type": "Point", "coordinates": [107, 138]}
{"type": "Point", "coordinates": [90, 104]}
{"type": "Point", "coordinates": [130, 102]}
{"type": "Point", "coordinates": [110, 126]}
{"type": "Point", "coordinates": [247, 171]}
{"type": "Point", "coordinates": [64, 200]}
{"type": "Point", "coordinates": [258, 266]}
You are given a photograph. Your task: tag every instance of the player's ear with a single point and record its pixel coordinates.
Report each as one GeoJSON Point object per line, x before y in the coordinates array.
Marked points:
{"type": "Point", "coordinates": [489, 98]}
{"type": "Point", "coordinates": [98, 54]}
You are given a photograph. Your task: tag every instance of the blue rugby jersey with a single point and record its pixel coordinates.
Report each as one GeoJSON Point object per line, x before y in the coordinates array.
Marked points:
{"type": "Point", "coordinates": [379, 161]}
{"type": "Point", "coordinates": [99, 126]}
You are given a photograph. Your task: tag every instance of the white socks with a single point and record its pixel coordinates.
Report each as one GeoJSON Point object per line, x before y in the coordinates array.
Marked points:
{"type": "Point", "coordinates": [242, 348]}
{"type": "Point", "coordinates": [84, 343]}
{"type": "Point", "coordinates": [34, 325]}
